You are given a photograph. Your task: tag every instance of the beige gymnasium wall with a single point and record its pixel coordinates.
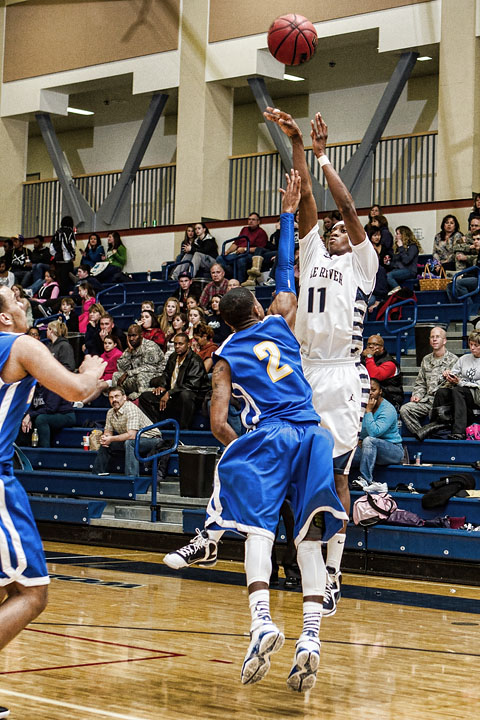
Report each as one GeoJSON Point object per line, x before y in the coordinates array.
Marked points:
{"type": "Point", "coordinates": [227, 23]}
{"type": "Point", "coordinates": [48, 37]}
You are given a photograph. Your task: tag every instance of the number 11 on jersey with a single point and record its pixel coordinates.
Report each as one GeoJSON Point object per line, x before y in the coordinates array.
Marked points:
{"type": "Point", "coordinates": [321, 299]}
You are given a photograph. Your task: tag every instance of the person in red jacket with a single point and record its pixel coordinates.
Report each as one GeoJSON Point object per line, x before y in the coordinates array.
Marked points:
{"type": "Point", "coordinates": [258, 239]}
{"type": "Point", "coordinates": [382, 367]}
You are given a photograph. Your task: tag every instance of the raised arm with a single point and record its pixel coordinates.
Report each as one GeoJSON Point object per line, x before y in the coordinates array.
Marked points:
{"type": "Point", "coordinates": [221, 393]}
{"type": "Point", "coordinates": [308, 214]}
{"type": "Point", "coordinates": [285, 302]}
{"type": "Point", "coordinates": [340, 194]}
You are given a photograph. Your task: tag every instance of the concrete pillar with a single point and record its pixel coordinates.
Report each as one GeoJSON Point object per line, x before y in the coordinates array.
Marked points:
{"type": "Point", "coordinates": [458, 103]}
{"type": "Point", "coordinates": [204, 129]}
{"type": "Point", "coordinates": [13, 162]}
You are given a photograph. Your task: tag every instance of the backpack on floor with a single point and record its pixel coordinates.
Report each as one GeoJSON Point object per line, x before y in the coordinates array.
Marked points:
{"type": "Point", "coordinates": [371, 509]}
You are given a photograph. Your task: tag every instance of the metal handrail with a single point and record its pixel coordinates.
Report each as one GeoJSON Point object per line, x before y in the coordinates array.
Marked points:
{"type": "Point", "coordinates": [464, 298]}
{"type": "Point", "coordinates": [113, 287]}
{"type": "Point", "coordinates": [154, 506]}
{"type": "Point", "coordinates": [235, 258]}
{"type": "Point", "coordinates": [170, 265]}
{"type": "Point", "coordinates": [46, 319]}
{"type": "Point", "coordinates": [396, 331]}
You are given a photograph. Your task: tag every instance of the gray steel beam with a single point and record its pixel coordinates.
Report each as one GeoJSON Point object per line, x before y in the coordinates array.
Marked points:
{"type": "Point", "coordinates": [357, 173]}
{"type": "Point", "coordinates": [115, 210]}
{"type": "Point", "coordinates": [73, 200]}
{"type": "Point", "coordinates": [261, 95]}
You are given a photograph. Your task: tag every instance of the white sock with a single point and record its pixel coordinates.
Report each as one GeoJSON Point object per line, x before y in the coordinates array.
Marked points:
{"type": "Point", "coordinates": [215, 535]}
{"type": "Point", "coordinates": [335, 548]}
{"type": "Point", "coordinates": [259, 602]}
{"type": "Point", "coordinates": [312, 617]}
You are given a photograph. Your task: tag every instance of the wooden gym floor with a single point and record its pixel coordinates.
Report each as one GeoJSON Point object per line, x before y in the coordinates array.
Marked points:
{"type": "Point", "coordinates": [126, 637]}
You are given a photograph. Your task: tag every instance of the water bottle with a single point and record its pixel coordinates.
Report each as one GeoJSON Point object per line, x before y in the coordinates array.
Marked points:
{"type": "Point", "coordinates": [149, 276]}
{"type": "Point", "coordinates": [86, 442]}
{"type": "Point", "coordinates": [418, 458]}
{"type": "Point", "coordinates": [154, 223]}
{"type": "Point", "coordinates": [34, 437]}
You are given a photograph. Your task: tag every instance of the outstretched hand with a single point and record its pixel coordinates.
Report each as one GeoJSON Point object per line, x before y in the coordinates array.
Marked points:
{"type": "Point", "coordinates": [291, 195]}
{"type": "Point", "coordinates": [285, 121]}
{"type": "Point", "coordinates": [319, 135]}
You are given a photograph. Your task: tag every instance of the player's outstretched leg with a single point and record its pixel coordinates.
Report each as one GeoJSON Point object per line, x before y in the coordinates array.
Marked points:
{"type": "Point", "coordinates": [265, 637]}
{"type": "Point", "coordinates": [201, 550]}
{"type": "Point", "coordinates": [306, 660]}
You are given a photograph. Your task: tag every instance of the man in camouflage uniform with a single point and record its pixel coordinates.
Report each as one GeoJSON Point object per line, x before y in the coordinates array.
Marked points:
{"type": "Point", "coordinates": [141, 361]}
{"type": "Point", "coordinates": [465, 253]}
{"type": "Point", "coordinates": [429, 379]}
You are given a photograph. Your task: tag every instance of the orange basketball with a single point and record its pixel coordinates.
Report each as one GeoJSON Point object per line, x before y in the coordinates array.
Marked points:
{"type": "Point", "coordinates": [292, 39]}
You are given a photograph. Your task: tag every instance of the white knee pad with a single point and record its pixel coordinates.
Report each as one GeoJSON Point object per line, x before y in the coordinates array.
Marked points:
{"type": "Point", "coordinates": [312, 567]}
{"type": "Point", "coordinates": [258, 558]}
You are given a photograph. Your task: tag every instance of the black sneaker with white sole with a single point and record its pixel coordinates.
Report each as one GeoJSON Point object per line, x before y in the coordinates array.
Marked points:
{"type": "Point", "coordinates": [4, 712]}
{"type": "Point", "coordinates": [333, 591]}
{"type": "Point", "coordinates": [201, 550]}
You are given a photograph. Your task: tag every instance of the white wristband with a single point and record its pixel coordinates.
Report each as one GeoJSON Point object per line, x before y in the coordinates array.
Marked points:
{"type": "Point", "coordinates": [323, 160]}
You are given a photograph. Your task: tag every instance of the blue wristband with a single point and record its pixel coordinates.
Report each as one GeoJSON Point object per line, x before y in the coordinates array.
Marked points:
{"type": "Point", "coordinates": [284, 276]}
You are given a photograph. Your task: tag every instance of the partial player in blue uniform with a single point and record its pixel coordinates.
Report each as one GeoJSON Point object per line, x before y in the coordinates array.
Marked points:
{"type": "Point", "coordinates": [286, 455]}
{"type": "Point", "coordinates": [23, 572]}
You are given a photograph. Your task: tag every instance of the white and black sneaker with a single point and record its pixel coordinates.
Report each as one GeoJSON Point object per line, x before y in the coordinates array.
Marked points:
{"type": "Point", "coordinates": [201, 550]}
{"type": "Point", "coordinates": [333, 591]}
{"type": "Point", "coordinates": [264, 640]}
{"type": "Point", "coordinates": [303, 674]}
{"type": "Point", "coordinates": [4, 712]}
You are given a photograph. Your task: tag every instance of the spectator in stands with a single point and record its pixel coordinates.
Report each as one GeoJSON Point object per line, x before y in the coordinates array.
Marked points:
{"type": "Point", "coordinates": [139, 363]}
{"type": "Point", "coordinates": [203, 336]}
{"type": "Point", "coordinates": [87, 295]}
{"type": "Point", "coordinates": [123, 422]}
{"type": "Point", "coordinates": [191, 304]}
{"type": "Point", "coordinates": [428, 381]}
{"type": "Point", "coordinates": [93, 344]}
{"type": "Point", "coordinates": [465, 253]}
{"type": "Point", "coordinates": [183, 383]}
{"type": "Point", "coordinates": [21, 259]}
{"type": "Point", "coordinates": [444, 242]}
{"type": "Point", "coordinates": [62, 250]}
{"type": "Point", "coordinates": [214, 319]}
{"type": "Point", "coordinates": [46, 295]}
{"type": "Point", "coordinates": [328, 222]}
{"type": "Point", "coordinates": [476, 207]}
{"type": "Point", "coordinates": [40, 259]}
{"type": "Point", "coordinates": [218, 286]}
{"type": "Point", "coordinates": [380, 440]}
{"type": "Point", "coordinates": [196, 317]}
{"type": "Point", "coordinates": [468, 282]}
{"type": "Point", "coordinates": [108, 327]}
{"type": "Point", "coordinates": [380, 290]}
{"type": "Point", "coordinates": [202, 252]}
{"type": "Point", "coordinates": [48, 413]}
{"type": "Point", "coordinates": [232, 283]}
{"type": "Point", "coordinates": [83, 275]}
{"type": "Point", "coordinates": [151, 329]}
{"type": "Point", "coordinates": [94, 251]}
{"type": "Point", "coordinates": [69, 316]}
{"type": "Point", "coordinates": [59, 346]}
{"type": "Point", "coordinates": [404, 261]}
{"type": "Point", "coordinates": [111, 270]}
{"type": "Point", "coordinates": [381, 222]}
{"type": "Point", "coordinates": [185, 290]}
{"type": "Point", "coordinates": [148, 305]}
{"type": "Point", "coordinates": [20, 297]}
{"type": "Point", "coordinates": [34, 332]}
{"type": "Point", "coordinates": [463, 390]}
{"type": "Point", "coordinates": [7, 244]}
{"type": "Point", "coordinates": [237, 253]}
{"type": "Point", "coordinates": [382, 367]}
{"type": "Point", "coordinates": [6, 277]}
{"type": "Point", "coordinates": [111, 353]}
{"type": "Point", "coordinates": [170, 309]}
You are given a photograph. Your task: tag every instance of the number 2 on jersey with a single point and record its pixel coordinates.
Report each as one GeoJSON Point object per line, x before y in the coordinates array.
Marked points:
{"type": "Point", "coordinates": [275, 371]}
{"type": "Point", "coordinates": [321, 300]}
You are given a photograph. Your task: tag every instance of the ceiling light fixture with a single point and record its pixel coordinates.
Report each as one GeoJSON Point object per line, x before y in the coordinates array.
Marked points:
{"type": "Point", "coordinates": [424, 58]}
{"type": "Point", "coordinates": [293, 78]}
{"type": "Point", "coordinates": [78, 111]}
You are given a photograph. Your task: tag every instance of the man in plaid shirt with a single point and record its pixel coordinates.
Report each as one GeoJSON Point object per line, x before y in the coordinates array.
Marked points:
{"type": "Point", "coordinates": [218, 286]}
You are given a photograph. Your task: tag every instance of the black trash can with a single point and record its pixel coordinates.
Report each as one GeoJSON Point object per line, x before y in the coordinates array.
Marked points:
{"type": "Point", "coordinates": [196, 469]}
{"type": "Point", "coordinates": [422, 339]}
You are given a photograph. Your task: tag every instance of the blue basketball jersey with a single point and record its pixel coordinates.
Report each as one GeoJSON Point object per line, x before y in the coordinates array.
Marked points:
{"type": "Point", "coordinates": [267, 374]}
{"type": "Point", "coordinates": [14, 400]}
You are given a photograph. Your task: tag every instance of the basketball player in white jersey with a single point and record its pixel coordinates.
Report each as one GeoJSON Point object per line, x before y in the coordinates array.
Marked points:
{"type": "Point", "coordinates": [335, 283]}
{"type": "Point", "coordinates": [23, 571]}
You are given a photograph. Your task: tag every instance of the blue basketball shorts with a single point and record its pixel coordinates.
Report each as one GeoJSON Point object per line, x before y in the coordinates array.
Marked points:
{"type": "Point", "coordinates": [275, 461]}
{"type": "Point", "coordinates": [21, 553]}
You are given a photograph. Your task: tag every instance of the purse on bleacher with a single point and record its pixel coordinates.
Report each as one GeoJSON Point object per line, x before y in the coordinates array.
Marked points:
{"type": "Point", "coordinates": [372, 508]}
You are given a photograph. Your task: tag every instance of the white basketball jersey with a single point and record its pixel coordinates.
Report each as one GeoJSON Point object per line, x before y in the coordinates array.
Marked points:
{"type": "Point", "coordinates": [334, 291]}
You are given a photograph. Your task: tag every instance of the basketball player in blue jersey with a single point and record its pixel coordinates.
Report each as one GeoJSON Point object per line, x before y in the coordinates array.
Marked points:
{"type": "Point", "coordinates": [23, 572]}
{"type": "Point", "coordinates": [286, 454]}
{"type": "Point", "coordinates": [335, 283]}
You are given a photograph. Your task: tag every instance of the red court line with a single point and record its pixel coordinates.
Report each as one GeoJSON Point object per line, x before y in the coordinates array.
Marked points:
{"type": "Point", "coordinates": [82, 665]}
{"type": "Point", "coordinates": [224, 662]}
{"type": "Point", "coordinates": [102, 642]}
